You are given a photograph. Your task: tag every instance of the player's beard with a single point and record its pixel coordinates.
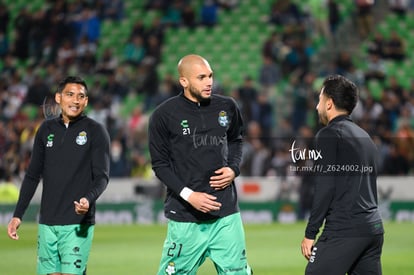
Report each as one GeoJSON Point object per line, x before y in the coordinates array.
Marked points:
{"type": "Point", "coordinates": [323, 118]}
{"type": "Point", "coordinates": [198, 95]}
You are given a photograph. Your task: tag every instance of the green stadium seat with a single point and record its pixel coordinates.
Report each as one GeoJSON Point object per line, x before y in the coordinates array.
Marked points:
{"type": "Point", "coordinates": [375, 89]}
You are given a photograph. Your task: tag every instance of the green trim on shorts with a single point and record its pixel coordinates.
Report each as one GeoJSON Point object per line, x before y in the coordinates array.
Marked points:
{"type": "Point", "coordinates": [188, 245]}
{"type": "Point", "coordinates": [64, 248]}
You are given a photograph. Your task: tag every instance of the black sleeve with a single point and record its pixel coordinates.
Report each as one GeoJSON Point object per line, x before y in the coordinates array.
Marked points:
{"type": "Point", "coordinates": [326, 142]}
{"type": "Point", "coordinates": [159, 147]}
{"type": "Point", "coordinates": [32, 176]}
{"type": "Point", "coordinates": [100, 163]}
{"type": "Point", "coordinates": [235, 141]}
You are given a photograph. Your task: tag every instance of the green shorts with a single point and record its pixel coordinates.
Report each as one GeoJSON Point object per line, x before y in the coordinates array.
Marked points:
{"type": "Point", "coordinates": [187, 246]}
{"type": "Point", "coordinates": [63, 248]}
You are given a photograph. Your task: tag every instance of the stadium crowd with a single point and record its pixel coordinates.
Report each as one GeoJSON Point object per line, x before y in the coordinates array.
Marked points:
{"type": "Point", "coordinates": [63, 37]}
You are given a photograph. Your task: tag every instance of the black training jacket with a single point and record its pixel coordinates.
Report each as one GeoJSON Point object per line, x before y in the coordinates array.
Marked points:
{"type": "Point", "coordinates": [188, 141]}
{"type": "Point", "coordinates": [346, 182]}
{"type": "Point", "coordinates": [73, 162]}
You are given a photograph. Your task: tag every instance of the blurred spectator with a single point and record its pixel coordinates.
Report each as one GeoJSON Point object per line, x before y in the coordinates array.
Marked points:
{"type": "Point", "coordinates": [87, 25]}
{"type": "Point", "coordinates": [188, 16]}
{"type": "Point", "coordinates": [153, 49]}
{"type": "Point", "coordinates": [37, 35]}
{"type": "Point", "coordinates": [301, 92]}
{"type": "Point", "coordinates": [100, 112]}
{"type": "Point", "coordinates": [391, 110]}
{"type": "Point", "coordinates": [371, 113]}
{"type": "Point", "coordinates": [4, 31]}
{"type": "Point", "coordinates": [394, 47]}
{"type": "Point", "coordinates": [138, 29]}
{"type": "Point", "coordinates": [66, 54]}
{"type": "Point", "coordinates": [343, 62]}
{"type": "Point", "coordinates": [285, 13]}
{"type": "Point", "coordinates": [255, 154]}
{"type": "Point", "coordinates": [393, 86]}
{"type": "Point", "coordinates": [334, 17]}
{"type": "Point", "coordinates": [137, 120]}
{"type": "Point", "coordinates": [4, 19]}
{"type": "Point", "coordinates": [364, 17]}
{"type": "Point", "coordinates": [320, 17]}
{"type": "Point", "coordinates": [9, 66]}
{"type": "Point", "coordinates": [278, 164]}
{"type": "Point", "coordinates": [84, 47]}
{"type": "Point", "coordinates": [113, 10]}
{"type": "Point", "coordinates": [269, 75]}
{"type": "Point", "coordinates": [157, 29]}
{"type": "Point", "coordinates": [263, 113]}
{"type": "Point", "coordinates": [209, 13]}
{"type": "Point", "coordinates": [95, 92]}
{"type": "Point", "coordinates": [404, 135]}
{"type": "Point", "coordinates": [394, 163]}
{"type": "Point", "coordinates": [172, 15]}
{"type": "Point", "coordinates": [86, 61]}
{"type": "Point", "coordinates": [307, 183]}
{"type": "Point", "coordinates": [247, 95]}
{"type": "Point", "coordinates": [172, 83]}
{"type": "Point", "coordinates": [275, 47]}
{"type": "Point", "coordinates": [376, 69]}
{"type": "Point", "coordinates": [137, 139]}
{"type": "Point", "coordinates": [356, 75]}
{"type": "Point", "coordinates": [108, 63]}
{"type": "Point", "coordinates": [134, 51]}
{"type": "Point", "coordinates": [58, 27]}
{"type": "Point", "coordinates": [113, 89]}
{"type": "Point", "coordinates": [148, 82]}
{"type": "Point", "coordinates": [299, 58]}
{"type": "Point", "coordinates": [399, 7]}
{"type": "Point", "coordinates": [119, 161]}
{"type": "Point", "coordinates": [4, 45]}
{"type": "Point", "coordinates": [17, 91]}
{"type": "Point", "coordinates": [377, 45]}
{"type": "Point", "coordinates": [22, 24]}
{"type": "Point", "coordinates": [166, 90]}
{"type": "Point", "coordinates": [37, 92]}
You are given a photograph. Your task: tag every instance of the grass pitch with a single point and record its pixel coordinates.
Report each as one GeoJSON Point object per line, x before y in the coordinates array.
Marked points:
{"type": "Point", "coordinates": [135, 249]}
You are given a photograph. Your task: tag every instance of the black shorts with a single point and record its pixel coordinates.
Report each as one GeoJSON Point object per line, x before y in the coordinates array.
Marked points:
{"type": "Point", "coordinates": [339, 256]}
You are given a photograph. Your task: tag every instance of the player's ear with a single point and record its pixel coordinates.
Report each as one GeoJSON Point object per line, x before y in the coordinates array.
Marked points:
{"type": "Point", "coordinates": [183, 82]}
{"type": "Point", "coordinates": [329, 103]}
{"type": "Point", "coordinates": [58, 97]}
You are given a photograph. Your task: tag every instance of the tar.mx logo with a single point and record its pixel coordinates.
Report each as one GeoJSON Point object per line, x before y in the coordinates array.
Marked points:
{"type": "Point", "coordinates": [298, 154]}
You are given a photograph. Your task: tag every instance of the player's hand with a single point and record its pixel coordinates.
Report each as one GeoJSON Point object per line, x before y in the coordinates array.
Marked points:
{"type": "Point", "coordinates": [307, 245]}
{"type": "Point", "coordinates": [204, 202]}
{"type": "Point", "coordinates": [81, 207]}
{"type": "Point", "coordinates": [12, 228]}
{"type": "Point", "coordinates": [223, 177]}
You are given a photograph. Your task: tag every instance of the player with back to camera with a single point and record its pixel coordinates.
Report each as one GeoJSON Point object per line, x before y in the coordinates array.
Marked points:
{"type": "Point", "coordinates": [71, 156]}
{"type": "Point", "coordinates": [195, 141]}
{"type": "Point", "coordinates": [345, 196]}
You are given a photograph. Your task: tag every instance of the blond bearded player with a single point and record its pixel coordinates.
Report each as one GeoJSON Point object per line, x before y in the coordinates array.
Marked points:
{"type": "Point", "coordinates": [195, 144]}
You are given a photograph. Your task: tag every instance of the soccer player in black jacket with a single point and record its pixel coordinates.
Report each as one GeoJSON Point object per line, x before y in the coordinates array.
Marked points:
{"type": "Point", "coordinates": [346, 190]}
{"type": "Point", "coordinates": [195, 142]}
{"type": "Point", "coordinates": [71, 156]}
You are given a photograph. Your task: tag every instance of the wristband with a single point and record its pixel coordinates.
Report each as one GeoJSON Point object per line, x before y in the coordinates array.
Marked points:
{"type": "Point", "coordinates": [185, 193]}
